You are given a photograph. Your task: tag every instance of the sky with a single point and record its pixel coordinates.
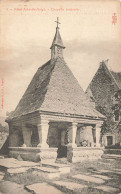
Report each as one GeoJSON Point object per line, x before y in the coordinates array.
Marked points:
{"type": "Point", "coordinates": [28, 29]}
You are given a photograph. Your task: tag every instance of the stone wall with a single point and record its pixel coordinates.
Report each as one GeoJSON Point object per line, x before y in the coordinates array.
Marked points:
{"type": "Point", "coordinates": [15, 137]}
{"type": "Point", "coordinates": [103, 88]}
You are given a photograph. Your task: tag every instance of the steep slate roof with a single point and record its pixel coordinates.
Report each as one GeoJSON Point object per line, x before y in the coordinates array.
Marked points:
{"type": "Point", "coordinates": [89, 94]}
{"type": "Point", "coordinates": [55, 89]}
{"type": "Point", "coordinates": [57, 39]}
{"type": "Point", "coordinates": [103, 97]}
{"type": "Point", "coordinates": [117, 77]}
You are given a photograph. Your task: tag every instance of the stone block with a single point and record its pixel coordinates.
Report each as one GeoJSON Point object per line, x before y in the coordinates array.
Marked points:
{"type": "Point", "coordinates": [11, 187]}
{"type": "Point", "coordinates": [42, 188]}
{"type": "Point", "coordinates": [104, 171]}
{"type": "Point", "coordinates": [26, 153]}
{"type": "Point", "coordinates": [5, 164]}
{"type": "Point", "coordinates": [113, 152]}
{"type": "Point", "coordinates": [113, 171]}
{"type": "Point", "coordinates": [101, 176]}
{"type": "Point", "coordinates": [107, 189]}
{"type": "Point", "coordinates": [88, 178]}
{"type": "Point", "coordinates": [10, 163]}
{"type": "Point", "coordinates": [17, 170]}
{"type": "Point", "coordinates": [46, 173]}
{"type": "Point", "coordinates": [83, 153]}
{"type": "Point", "coordinates": [63, 168]}
{"type": "Point", "coordinates": [68, 186]}
{"type": "Point", "coordinates": [34, 154]}
{"type": "Point", "coordinates": [48, 154]}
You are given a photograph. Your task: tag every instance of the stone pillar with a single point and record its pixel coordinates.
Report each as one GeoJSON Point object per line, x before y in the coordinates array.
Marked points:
{"type": "Point", "coordinates": [47, 154]}
{"type": "Point", "coordinates": [72, 135]}
{"type": "Point", "coordinates": [98, 130]}
{"type": "Point", "coordinates": [43, 133]}
{"type": "Point", "coordinates": [63, 133]}
{"type": "Point", "coordinates": [94, 136]}
{"type": "Point", "coordinates": [106, 140]}
{"type": "Point", "coordinates": [78, 137]}
{"type": "Point", "coordinates": [27, 133]}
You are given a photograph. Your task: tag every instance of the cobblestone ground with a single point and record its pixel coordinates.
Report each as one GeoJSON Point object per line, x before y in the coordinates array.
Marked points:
{"type": "Point", "coordinates": [102, 176]}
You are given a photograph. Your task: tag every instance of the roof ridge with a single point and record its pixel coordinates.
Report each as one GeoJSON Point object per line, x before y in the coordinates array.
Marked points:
{"type": "Point", "coordinates": [112, 76]}
{"type": "Point", "coordinates": [114, 71]}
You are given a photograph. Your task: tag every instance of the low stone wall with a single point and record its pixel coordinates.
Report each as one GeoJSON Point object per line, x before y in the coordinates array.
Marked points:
{"type": "Point", "coordinates": [83, 153]}
{"type": "Point", "coordinates": [33, 153]}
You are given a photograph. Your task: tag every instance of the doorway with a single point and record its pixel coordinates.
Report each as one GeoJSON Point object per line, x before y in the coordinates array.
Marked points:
{"type": "Point", "coordinates": [62, 148]}
{"type": "Point", "coordinates": [109, 140]}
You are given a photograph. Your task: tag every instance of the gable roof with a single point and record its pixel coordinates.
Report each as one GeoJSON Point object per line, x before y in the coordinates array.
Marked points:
{"type": "Point", "coordinates": [55, 89]}
{"type": "Point", "coordinates": [114, 76]}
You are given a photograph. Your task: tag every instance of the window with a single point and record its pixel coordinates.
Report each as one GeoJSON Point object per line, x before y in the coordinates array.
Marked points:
{"type": "Point", "coordinates": [116, 114]}
{"type": "Point", "coordinates": [109, 140]}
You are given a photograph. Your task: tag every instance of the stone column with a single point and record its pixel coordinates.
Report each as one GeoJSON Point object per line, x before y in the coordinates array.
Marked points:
{"type": "Point", "coordinates": [94, 136]}
{"type": "Point", "coordinates": [43, 133]}
{"type": "Point", "coordinates": [72, 135]}
{"type": "Point", "coordinates": [98, 130]}
{"type": "Point", "coordinates": [78, 137]}
{"type": "Point", "coordinates": [27, 133]}
{"type": "Point", "coordinates": [106, 140]}
{"type": "Point", "coordinates": [63, 133]}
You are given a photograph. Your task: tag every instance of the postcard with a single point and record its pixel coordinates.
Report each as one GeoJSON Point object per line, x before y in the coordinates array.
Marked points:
{"type": "Point", "coordinates": [60, 96]}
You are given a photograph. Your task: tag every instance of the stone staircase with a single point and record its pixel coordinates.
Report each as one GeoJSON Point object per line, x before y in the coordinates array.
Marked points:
{"type": "Point", "coordinates": [51, 170]}
{"type": "Point", "coordinates": [45, 170]}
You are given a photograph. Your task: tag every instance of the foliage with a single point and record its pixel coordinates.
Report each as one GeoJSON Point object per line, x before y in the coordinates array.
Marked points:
{"type": "Point", "coordinates": [3, 128]}
{"type": "Point", "coordinates": [109, 125]}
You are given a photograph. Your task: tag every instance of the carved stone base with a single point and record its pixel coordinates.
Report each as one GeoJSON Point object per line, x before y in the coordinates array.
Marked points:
{"type": "Point", "coordinates": [48, 154]}
{"type": "Point", "coordinates": [83, 153]}
{"type": "Point", "coordinates": [34, 154]}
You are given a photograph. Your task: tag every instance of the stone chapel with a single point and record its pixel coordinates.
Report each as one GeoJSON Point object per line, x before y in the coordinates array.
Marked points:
{"type": "Point", "coordinates": [54, 114]}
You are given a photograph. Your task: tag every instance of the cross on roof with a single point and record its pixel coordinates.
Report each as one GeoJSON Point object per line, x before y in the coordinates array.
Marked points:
{"type": "Point", "coordinates": [57, 22]}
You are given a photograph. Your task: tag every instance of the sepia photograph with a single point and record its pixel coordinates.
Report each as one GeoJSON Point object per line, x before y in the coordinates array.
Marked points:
{"type": "Point", "coordinates": [60, 97]}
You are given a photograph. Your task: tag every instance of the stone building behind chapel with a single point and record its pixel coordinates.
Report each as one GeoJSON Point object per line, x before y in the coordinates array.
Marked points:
{"type": "Point", "coordinates": [105, 94]}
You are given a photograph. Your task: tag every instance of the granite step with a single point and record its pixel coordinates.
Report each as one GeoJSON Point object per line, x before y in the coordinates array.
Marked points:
{"type": "Point", "coordinates": [12, 171]}
{"type": "Point", "coordinates": [42, 188]}
{"type": "Point", "coordinates": [68, 186]}
{"type": "Point", "coordinates": [107, 189]}
{"type": "Point", "coordinates": [111, 156]}
{"type": "Point", "coordinates": [87, 178]}
{"type": "Point", "coordinates": [62, 161]}
{"type": "Point", "coordinates": [11, 163]}
{"type": "Point", "coordinates": [46, 172]}
{"type": "Point", "coordinates": [8, 187]}
{"type": "Point", "coordinates": [101, 176]}
{"type": "Point", "coordinates": [109, 161]}
{"type": "Point", "coordinates": [112, 171]}
{"type": "Point", "coordinates": [63, 168]}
